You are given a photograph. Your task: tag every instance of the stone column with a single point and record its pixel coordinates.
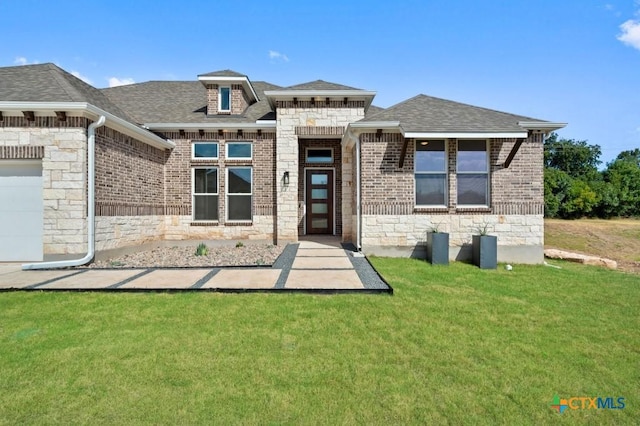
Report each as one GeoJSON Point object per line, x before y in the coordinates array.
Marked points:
{"type": "Point", "coordinates": [287, 161]}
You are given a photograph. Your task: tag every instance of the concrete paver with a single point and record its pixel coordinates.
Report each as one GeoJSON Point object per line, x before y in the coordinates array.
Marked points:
{"type": "Point", "coordinates": [323, 279]}
{"type": "Point", "coordinates": [320, 252]}
{"type": "Point", "coordinates": [22, 279]}
{"type": "Point", "coordinates": [244, 278]}
{"type": "Point", "coordinates": [322, 263]}
{"type": "Point", "coordinates": [92, 279]}
{"type": "Point", "coordinates": [167, 279]}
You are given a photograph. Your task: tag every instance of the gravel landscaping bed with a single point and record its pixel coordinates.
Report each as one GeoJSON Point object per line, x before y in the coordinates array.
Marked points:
{"type": "Point", "coordinates": [181, 257]}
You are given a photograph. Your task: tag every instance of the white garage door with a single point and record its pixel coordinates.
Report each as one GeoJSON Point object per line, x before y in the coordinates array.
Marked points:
{"type": "Point", "coordinates": [21, 207]}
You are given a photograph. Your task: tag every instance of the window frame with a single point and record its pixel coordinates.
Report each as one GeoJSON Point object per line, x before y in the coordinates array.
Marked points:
{"type": "Point", "coordinates": [487, 172]}
{"type": "Point", "coordinates": [204, 194]}
{"type": "Point", "coordinates": [193, 150]}
{"type": "Point", "coordinates": [228, 194]}
{"type": "Point", "coordinates": [228, 144]}
{"type": "Point", "coordinates": [220, 88]}
{"type": "Point", "coordinates": [444, 173]}
{"type": "Point", "coordinates": [313, 148]}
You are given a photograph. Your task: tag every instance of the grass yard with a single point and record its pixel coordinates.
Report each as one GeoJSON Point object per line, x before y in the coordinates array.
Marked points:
{"type": "Point", "coordinates": [454, 345]}
{"type": "Point", "coordinates": [617, 239]}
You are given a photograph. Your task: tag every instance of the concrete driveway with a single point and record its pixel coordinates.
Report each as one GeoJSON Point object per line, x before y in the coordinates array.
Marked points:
{"type": "Point", "coordinates": [314, 265]}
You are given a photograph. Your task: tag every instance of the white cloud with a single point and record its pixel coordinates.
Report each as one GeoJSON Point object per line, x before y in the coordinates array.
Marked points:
{"type": "Point", "coordinates": [115, 81]}
{"type": "Point", "coordinates": [630, 33]}
{"type": "Point", "coordinates": [277, 56]}
{"type": "Point", "coordinates": [21, 60]}
{"type": "Point", "coordinates": [81, 77]}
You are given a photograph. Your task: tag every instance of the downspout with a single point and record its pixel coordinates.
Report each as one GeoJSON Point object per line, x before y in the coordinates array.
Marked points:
{"type": "Point", "coordinates": [358, 206]}
{"type": "Point", "coordinates": [91, 206]}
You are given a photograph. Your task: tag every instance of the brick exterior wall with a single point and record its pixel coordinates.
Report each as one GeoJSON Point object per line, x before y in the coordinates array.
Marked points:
{"type": "Point", "coordinates": [387, 189]}
{"type": "Point", "coordinates": [515, 213]}
{"type": "Point", "coordinates": [239, 99]}
{"type": "Point", "coordinates": [337, 167]}
{"type": "Point", "coordinates": [129, 176]}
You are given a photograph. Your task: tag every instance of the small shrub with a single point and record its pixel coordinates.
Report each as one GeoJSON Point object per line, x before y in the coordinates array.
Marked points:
{"type": "Point", "coordinates": [239, 244]}
{"type": "Point", "coordinates": [116, 263]}
{"type": "Point", "coordinates": [202, 250]}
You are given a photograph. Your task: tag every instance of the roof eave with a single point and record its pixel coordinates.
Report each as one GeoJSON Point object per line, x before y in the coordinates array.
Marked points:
{"type": "Point", "coordinates": [543, 126]}
{"type": "Point", "coordinates": [93, 112]}
{"type": "Point", "coordinates": [462, 135]}
{"type": "Point", "coordinates": [262, 124]}
{"type": "Point", "coordinates": [366, 95]}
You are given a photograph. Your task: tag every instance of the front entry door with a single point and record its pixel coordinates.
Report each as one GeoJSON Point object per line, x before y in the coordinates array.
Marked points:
{"type": "Point", "coordinates": [319, 196]}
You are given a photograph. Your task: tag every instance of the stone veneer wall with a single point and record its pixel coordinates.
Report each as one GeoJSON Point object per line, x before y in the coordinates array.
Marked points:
{"type": "Point", "coordinates": [62, 147]}
{"type": "Point", "coordinates": [391, 222]}
{"type": "Point", "coordinates": [296, 119]}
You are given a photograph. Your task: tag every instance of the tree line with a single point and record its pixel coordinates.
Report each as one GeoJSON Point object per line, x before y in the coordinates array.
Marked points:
{"type": "Point", "coordinates": [574, 187]}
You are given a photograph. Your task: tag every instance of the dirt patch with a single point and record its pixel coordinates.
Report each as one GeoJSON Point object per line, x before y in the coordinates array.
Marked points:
{"type": "Point", "coordinates": [617, 239]}
{"type": "Point", "coordinates": [179, 257]}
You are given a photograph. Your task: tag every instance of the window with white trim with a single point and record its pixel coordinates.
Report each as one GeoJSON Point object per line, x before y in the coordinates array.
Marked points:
{"type": "Point", "coordinates": [239, 150]}
{"type": "Point", "coordinates": [430, 167]}
{"type": "Point", "coordinates": [473, 173]}
{"type": "Point", "coordinates": [224, 99]}
{"type": "Point", "coordinates": [239, 193]}
{"type": "Point", "coordinates": [204, 150]}
{"type": "Point", "coordinates": [205, 193]}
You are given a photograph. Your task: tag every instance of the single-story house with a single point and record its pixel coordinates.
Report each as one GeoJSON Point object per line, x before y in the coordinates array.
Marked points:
{"type": "Point", "coordinates": [223, 157]}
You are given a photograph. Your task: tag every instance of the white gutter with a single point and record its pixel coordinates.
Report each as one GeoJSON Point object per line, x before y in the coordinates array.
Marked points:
{"type": "Point", "coordinates": [545, 126]}
{"type": "Point", "coordinates": [358, 203]}
{"type": "Point", "coordinates": [91, 206]}
{"type": "Point", "coordinates": [463, 135]}
{"type": "Point", "coordinates": [83, 108]}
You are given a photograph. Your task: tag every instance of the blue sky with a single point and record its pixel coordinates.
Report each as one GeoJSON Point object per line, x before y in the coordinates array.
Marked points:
{"type": "Point", "coordinates": [575, 61]}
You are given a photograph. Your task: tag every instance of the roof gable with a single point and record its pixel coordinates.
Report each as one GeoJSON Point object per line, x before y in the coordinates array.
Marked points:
{"type": "Point", "coordinates": [319, 85]}
{"type": "Point", "coordinates": [223, 73]}
{"type": "Point", "coordinates": [49, 83]}
{"type": "Point", "coordinates": [424, 113]}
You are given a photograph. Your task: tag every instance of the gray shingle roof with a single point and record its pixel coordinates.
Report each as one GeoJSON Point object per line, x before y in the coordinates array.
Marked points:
{"type": "Point", "coordinates": [182, 102]}
{"type": "Point", "coordinates": [428, 114]}
{"type": "Point", "coordinates": [319, 85]}
{"type": "Point", "coordinates": [49, 83]}
{"type": "Point", "coordinates": [222, 73]}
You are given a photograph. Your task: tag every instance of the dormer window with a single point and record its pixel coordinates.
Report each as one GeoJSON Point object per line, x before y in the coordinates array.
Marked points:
{"type": "Point", "coordinates": [224, 99]}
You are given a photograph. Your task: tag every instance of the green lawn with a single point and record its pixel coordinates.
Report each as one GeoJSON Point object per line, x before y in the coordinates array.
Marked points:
{"type": "Point", "coordinates": [453, 345]}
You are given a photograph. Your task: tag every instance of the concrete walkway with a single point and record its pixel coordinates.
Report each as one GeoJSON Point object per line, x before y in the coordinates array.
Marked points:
{"type": "Point", "coordinates": [318, 264]}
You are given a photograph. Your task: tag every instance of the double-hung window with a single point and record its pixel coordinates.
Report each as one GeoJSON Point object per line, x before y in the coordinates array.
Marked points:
{"type": "Point", "coordinates": [473, 173]}
{"type": "Point", "coordinates": [431, 173]}
{"type": "Point", "coordinates": [205, 193]}
{"type": "Point", "coordinates": [239, 193]}
{"type": "Point", "coordinates": [204, 151]}
{"type": "Point", "coordinates": [224, 99]}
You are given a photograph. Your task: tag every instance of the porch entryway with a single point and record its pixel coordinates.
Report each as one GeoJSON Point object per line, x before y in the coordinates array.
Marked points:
{"type": "Point", "coordinates": [319, 196]}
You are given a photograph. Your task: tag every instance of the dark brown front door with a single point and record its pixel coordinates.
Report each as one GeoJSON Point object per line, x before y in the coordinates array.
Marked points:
{"type": "Point", "coordinates": [319, 198]}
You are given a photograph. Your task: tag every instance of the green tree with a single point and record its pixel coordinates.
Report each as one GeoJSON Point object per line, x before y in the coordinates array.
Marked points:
{"type": "Point", "coordinates": [623, 174]}
{"type": "Point", "coordinates": [577, 158]}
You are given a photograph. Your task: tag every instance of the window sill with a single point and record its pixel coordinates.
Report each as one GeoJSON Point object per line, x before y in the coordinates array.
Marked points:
{"type": "Point", "coordinates": [434, 209]}
{"type": "Point", "coordinates": [239, 223]}
{"type": "Point", "coordinates": [473, 209]}
{"type": "Point", "coordinates": [204, 223]}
